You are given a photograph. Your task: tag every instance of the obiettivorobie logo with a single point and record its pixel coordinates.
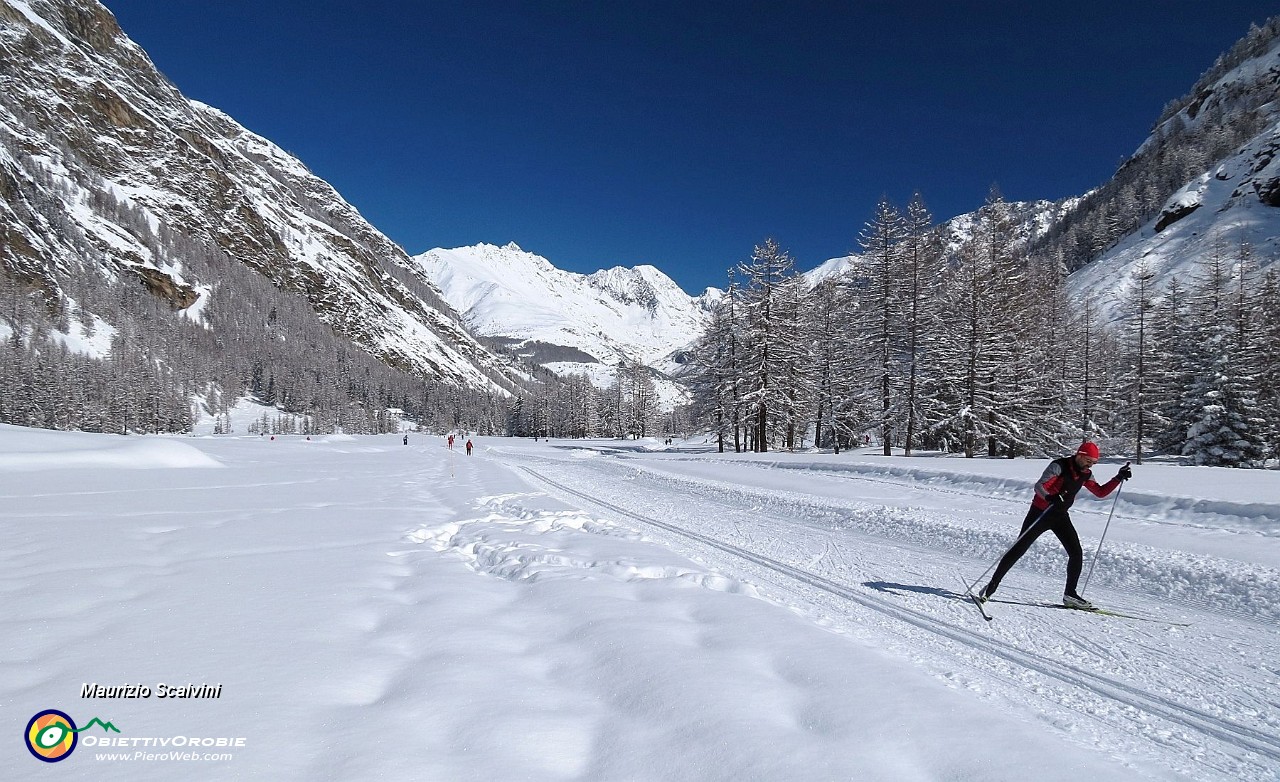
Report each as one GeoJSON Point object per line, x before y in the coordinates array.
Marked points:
{"type": "Point", "coordinates": [51, 735]}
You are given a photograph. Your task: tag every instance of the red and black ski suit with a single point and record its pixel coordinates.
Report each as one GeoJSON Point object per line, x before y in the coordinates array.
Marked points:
{"type": "Point", "coordinates": [1062, 478]}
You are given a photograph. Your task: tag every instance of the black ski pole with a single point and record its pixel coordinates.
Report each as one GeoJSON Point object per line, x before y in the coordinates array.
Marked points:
{"type": "Point", "coordinates": [1044, 513]}
{"type": "Point", "coordinates": [1107, 526]}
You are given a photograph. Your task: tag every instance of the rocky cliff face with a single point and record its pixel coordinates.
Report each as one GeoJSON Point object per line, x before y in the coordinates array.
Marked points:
{"type": "Point", "coordinates": [105, 168]}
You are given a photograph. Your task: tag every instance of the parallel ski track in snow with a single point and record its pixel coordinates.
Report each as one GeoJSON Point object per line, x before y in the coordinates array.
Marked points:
{"type": "Point", "coordinates": [1018, 501]}
{"type": "Point", "coordinates": [1241, 736]}
{"type": "Point", "coordinates": [1186, 600]}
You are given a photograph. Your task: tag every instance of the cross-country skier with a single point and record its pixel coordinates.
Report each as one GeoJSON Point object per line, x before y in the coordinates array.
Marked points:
{"type": "Point", "coordinates": [1054, 494]}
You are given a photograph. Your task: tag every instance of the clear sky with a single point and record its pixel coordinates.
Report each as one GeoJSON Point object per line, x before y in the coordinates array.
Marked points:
{"type": "Point", "coordinates": [680, 134]}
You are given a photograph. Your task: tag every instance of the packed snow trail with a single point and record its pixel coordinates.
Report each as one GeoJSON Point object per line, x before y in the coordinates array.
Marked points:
{"type": "Point", "coordinates": [1208, 692]}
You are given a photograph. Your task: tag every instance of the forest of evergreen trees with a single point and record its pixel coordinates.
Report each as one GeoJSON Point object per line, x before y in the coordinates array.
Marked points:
{"type": "Point", "coordinates": [977, 350]}
{"type": "Point", "coordinates": [263, 343]}
{"type": "Point", "coordinates": [573, 406]}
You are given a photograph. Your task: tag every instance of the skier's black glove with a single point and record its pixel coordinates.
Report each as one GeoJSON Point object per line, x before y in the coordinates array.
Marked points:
{"type": "Point", "coordinates": [1125, 473]}
{"type": "Point", "coordinates": [1057, 502]}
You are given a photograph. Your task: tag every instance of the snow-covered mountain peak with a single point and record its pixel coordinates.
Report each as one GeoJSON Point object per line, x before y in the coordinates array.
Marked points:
{"type": "Point", "coordinates": [567, 321]}
{"type": "Point", "coordinates": [643, 285]}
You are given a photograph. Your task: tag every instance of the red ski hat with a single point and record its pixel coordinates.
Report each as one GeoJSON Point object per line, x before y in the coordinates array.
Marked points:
{"type": "Point", "coordinates": [1088, 449]}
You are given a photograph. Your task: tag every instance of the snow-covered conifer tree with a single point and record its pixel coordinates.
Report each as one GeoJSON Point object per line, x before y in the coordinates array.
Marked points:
{"type": "Point", "coordinates": [921, 268]}
{"type": "Point", "coordinates": [1224, 427]}
{"type": "Point", "coordinates": [1228, 432]}
{"type": "Point", "coordinates": [715, 379]}
{"type": "Point", "coordinates": [1139, 416]}
{"type": "Point", "coordinates": [985, 360]}
{"type": "Point", "coordinates": [765, 340]}
{"type": "Point", "coordinates": [1173, 351]}
{"type": "Point", "coordinates": [882, 315]}
{"type": "Point", "coordinates": [835, 361]}
{"type": "Point", "coordinates": [1266, 355]}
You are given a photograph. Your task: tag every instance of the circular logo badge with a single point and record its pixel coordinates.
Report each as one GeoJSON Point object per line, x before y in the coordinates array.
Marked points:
{"type": "Point", "coordinates": [51, 735]}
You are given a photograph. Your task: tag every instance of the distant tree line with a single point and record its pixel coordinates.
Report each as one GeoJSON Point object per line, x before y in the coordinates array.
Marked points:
{"type": "Point", "coordinates": [263, 343]}
{"type": "Point", "coordinates": [573, 406]}
{"type": "Point", "coordinates": [973, 348]}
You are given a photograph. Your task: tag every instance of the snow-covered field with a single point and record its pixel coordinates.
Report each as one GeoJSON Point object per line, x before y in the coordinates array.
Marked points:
{"type": "Point", "coordinates": [618, 611]}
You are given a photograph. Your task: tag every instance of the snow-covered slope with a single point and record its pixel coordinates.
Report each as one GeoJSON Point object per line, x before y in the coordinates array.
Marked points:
{"type": "Point", "coordinates": [562, 319]}
{"type": "Point", "coordinates": [1236, 201]}
{"type": "Point", "coordinates": [106, 169]}
{"type": "Point", "coordinates": [1031, 219]}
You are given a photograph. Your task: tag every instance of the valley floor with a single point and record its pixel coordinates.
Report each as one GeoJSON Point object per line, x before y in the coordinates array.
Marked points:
{"type": "Point", "coordinates": [619, 611]}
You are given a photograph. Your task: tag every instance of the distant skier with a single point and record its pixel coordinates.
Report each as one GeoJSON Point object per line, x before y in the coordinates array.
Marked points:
{"type": "Point", "coordinates": [450, 442]}
{"type": "Point", "coordinates": [1054, 493]}
{"type": "Point", "coordinates": [406, 439]}
{"type": "Point", "coordinates": [468, 446]}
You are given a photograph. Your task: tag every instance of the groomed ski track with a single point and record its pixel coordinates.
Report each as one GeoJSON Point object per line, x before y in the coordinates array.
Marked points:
{"type": "Point", "coordinates": [1083, 674]}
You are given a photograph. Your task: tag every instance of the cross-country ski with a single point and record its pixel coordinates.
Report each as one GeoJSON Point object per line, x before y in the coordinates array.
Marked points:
{"type": "Point", "coordinates": [1095, 610]}
{"type": "Point", "coordinates": [978, 602]}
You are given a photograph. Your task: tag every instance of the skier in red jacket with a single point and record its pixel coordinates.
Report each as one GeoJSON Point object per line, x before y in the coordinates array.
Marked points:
{"type": "Point", "coordinates": [1055, 492]}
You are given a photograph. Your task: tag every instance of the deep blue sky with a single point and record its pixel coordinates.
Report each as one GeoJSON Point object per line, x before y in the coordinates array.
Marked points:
{"type": "Point", "coordinates": [680, 134]}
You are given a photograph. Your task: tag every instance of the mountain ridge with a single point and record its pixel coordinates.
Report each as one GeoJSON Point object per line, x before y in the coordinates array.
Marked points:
{"type": "Point", "coordinates": [87, 110]}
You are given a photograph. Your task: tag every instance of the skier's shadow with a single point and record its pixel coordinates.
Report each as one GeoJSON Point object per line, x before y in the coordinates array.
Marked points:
{"type": "Point", "coordinates": [888, 587]}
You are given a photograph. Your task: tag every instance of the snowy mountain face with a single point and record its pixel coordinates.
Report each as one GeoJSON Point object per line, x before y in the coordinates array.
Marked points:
{"type": "Point", "coordinates": [1214, 214]}
{"type": "Point", "coordinates": [1229, 211]}
{"type": "Point", "coordinates": [566, 321]}
{"type": "Point", "coordinates": [1030, 218]}
{"type": "Point", "coordinates": [107, 170]}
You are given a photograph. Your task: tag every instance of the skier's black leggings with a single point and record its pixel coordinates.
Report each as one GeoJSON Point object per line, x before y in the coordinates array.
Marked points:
{"type": "Point", "coordinates": [1060, 523]}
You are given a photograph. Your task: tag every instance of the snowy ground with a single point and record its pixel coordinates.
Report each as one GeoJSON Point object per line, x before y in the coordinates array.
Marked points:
{"type": "Point", "coordinates": [613, 611]}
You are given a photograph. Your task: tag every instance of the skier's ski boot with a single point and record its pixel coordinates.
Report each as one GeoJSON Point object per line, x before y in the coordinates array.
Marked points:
{"type": "Point", "coordinates": [984, 594]}
{"type": "Point", "coordinates": [1072, 600]}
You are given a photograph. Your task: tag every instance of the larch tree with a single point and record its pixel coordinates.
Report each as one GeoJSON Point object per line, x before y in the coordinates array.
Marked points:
{"type": "Point", "coordinates": [764, 334]}
{"type": "Point", "coordinates": [880, 240]}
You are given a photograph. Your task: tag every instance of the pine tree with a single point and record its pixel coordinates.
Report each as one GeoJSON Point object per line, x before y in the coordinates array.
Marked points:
{"type": "Point", "coordinates": [1140, 417]}
{"type": "Point", "coordinates": [1228, 432]}
{"type": "Point", "coordinates": [1173, 350]}
{"type": "Point", "coordinates": [834, 361]}
{"type": "Point", "coordinates": [880, 241]}
{"type": "Point", "coordinates": [768, 341]}
{"type": "Point", "coordinates": [920, 270]}
{"type": "Point", "coordinates": [1224, 426]}
{"type": "Point", "coordinates": [984, 363]}
{"type": "Point", "coordinates": [1266, 355]}
{"type": "Point", "coordinates": [714, 382]}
